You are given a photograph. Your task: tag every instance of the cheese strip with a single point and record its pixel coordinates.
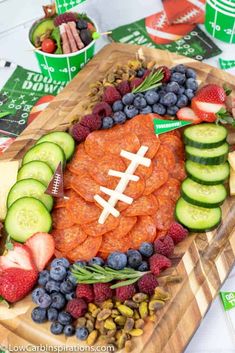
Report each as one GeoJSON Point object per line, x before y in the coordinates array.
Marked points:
{"type": "Point", "coordinates": [107, 206]}
{"type": "Point", "coordinates": [115, 173]}
{"type": "Point", "coordinates": [118, 195]}
{"type": "Point", "coordinates": [135, 158]}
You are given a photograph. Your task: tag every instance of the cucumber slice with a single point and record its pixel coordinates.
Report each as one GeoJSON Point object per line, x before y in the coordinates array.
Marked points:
{"type": "Point", "coordinates": [195, 218]}
{"type": "Point", "coordinates": [207, 174]}
{"type": "Point", "coordinates": [25, 217]}
{"type": "Point", "coordinates": [36, 170]}
{"type": "Point", "coordinates": [210, 196]}
{"type": "Point", "coordinates": [205, 135]}
{"type": "Point", "coordinates": [30, 188]}
{"type": "Point", "coordinates": [217, 155]}
{"type": "Point", "coordinates": [61, 138]}
{"type": "Point", "coordinates": [47, 152]}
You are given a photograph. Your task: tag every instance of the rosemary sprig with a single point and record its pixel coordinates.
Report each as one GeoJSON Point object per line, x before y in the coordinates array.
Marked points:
{"type": "Point", "coordinates": [152, 81]}
{"type": "Point", "coordinates": [98, 274]}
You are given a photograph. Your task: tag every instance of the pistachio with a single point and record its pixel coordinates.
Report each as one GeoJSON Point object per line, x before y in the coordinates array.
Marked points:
{"type": "Point", "coordinates": [153, 317]}
{"type": "Point", "coordinates": [92, 337]}
{"type": "Point", "coordinates": [122, 340]}
{"type": "Point", "coordinates": [90, 325]}
{"type": "Point", "coordinates": [111, 333]}
{"type": "Point", "coordinates": [160, 293]}
{"type": "Point", "coordinates": [139, 323]}
{"type": "Point", "coordinates": [96, 312]}
{"type": "Point", "coordinates": [136, 332]}
{"type": "Point", "coordinates": [89, 317]}
{"type": "Point", "coordinates": [129, 324]}
{"type": "Point", "coordinates": [92, 307]}
{"type": "Point", "coordinates": [109, 324]}
{"type": "Point", "coordinates": [143, 309]}
{"type": "Point", "coordinates": [103, 314]}
{"type": "Point", "coordinates": [131, 304]}
{"type": "Point", "coordinates": [115, 313]}
{"type": "Point", "coordinates": [128, 346]}
{"type": "Point", "coordinates": [136, 315]}
{"type": "Point", "coordinates": [81, 322]}
{"type": "Point", "coordinates": [120, 320]}
{"type": "Point", "coordinates": [107, 304]}
{"type": "Point", "coordinates": [140, 297]}
{"type": "Point", "coordinates": [124, 310]}
{"type": "Point", "coordinates": [156, 304]}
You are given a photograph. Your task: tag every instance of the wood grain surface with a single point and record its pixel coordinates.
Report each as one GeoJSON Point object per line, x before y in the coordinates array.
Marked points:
{"type": "Point", "coordinates": [203, 260]}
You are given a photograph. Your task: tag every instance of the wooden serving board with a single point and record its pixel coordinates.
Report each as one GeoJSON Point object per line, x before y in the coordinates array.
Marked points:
{"type": "Point", "coordinates": [203, 260]}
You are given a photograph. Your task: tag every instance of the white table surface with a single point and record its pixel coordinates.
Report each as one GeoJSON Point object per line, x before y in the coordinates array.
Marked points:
{"type": "Point", "coordinates": [213, 335]}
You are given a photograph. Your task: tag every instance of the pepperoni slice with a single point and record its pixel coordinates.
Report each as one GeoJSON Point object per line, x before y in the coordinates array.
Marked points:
{"type": "Point", "coordinates": [62, 218]}
{"type": "Point", "coordinates": [165, 215]}
{"type": "Point", "coordinates": [85, 186]}
{"type": "Point", "coordinates": [178, 172]}
{"type": "Point", "coordinates": [170, 189]}
{"type": "Point", "coordinates": [141, 123]}
{"type": "Point", "coordinates": [145, 172]}
{"type": "Point", "coordinates": [68, 176]}
{"type": "Point", "coordinates": [68, 238]}
{"type": "Point", "coordinates": [124, 227]}
{"type": "Point", "coordinates": [67, 200]}
{"type": "Point", "coordinates": [144, 230]}
{"type": "Point", "coordinates": [111, 244]}
{"type": "Point", "coordinates": [81, 161]}
{"type": "Point", "coordinates": [175, 144]}
{"type": "Point", "coordinates": [165, 158]}
{"type": "Point", "coordinates": [156, 180]}
{"type": "Point", "coordinates": [96, 229]}
{"type": "Point", "coordinates": [94, 144]}
{"type": "Point", "coordinates": [175, 132]}
{"type": "Point", "coordinates": [125, 141]}
{"type": "Point", "coordinates": [83, 212]}
{"type": "Point", "coordinates": [135, 189]}
{"type": "Point", "coordinates": [151, 141]}
{"type": "Point", "coordinates": [85, 251]}
{"type": "Point", "coordinates": [143, 206]}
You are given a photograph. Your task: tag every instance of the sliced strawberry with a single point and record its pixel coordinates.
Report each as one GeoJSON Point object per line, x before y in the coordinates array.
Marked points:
{"type": "Point", "coordinates": [20, 257]}
{"type": "Point", "coordinates": [42, 246]}
{"type": "Point", "coordinates": [211, 93]}
{"type": "Point", "coordinates": [206, 111]}
{"type": "Point", "coordinates": [188, 114]}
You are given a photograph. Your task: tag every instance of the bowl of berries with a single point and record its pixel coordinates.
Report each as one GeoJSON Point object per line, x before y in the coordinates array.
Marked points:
{"type": "Point", "coordinates": [63, 43]}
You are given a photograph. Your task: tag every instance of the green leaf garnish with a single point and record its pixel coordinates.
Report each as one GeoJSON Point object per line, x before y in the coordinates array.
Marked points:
{"type": "Point", "coordinates": [3, 301]}
{"type": "Point", "coordinates": [224, 117]}
{"type": "Point", "coordinates": [55, 35]}
{"type": "Point", "coordinates": [153, 80]}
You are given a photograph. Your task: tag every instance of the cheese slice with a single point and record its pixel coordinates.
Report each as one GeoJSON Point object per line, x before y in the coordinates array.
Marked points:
{"type": "Point", "coordinates": [8, 177]}
{"type": "Point", "coordinates": [232, 182]}
{"type": "Point", "coordinates": [231, 159]}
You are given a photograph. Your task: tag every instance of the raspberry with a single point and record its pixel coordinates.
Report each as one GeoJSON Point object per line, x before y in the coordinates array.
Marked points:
{"type": "Point", "coordinates": [158, 263]}
{"type": "Point", "coordinates": [135, 82]}
{"type": "Point", "coordinates": [102, 109]}
{"type": "Point", "coordinates": [111, 95]}
{"type": "Point", "coordinates": [147, 283]}
{"type": "Point", "coordinates": [85, 291]}
{"type": "Point", "coordinates": [177, 232]}
{"type": "Point", "coordinates": [77, 308]}
{"type": "Point", "coordinates": [65, 18]}
{"type": "Point", "coordinates": [123, 87]}
{"type": "Point", "coordinates": [102, 292]}
{"type": "Point", "coordinates": [166, 72]}
{"type": "Point", "coordinates": [164, 246]}
{"type": "Point", "coordinates": [92, 121]}
{"type": "Point", "coordinates": [125, 292]}
{"type": "Point", "coordinates": [79, 132]}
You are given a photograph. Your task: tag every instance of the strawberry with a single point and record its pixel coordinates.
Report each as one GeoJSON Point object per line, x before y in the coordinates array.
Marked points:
{"type": "Point", "coordinates": [20, 257]}
{"type": "Point", "coordinates": [211, 93]}
{"type": "Point", "coordinates": [16, 283]}
{"type": "Point", "coordinates": [188, 114]}
{"type": "Point", "coordinates": [42, 246]}
{"type": "Point", "coordinates": [206, 111]}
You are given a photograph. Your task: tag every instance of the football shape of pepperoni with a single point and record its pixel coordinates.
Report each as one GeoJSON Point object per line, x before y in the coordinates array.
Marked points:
{"type": "Point", "coordinates": [161, 32]}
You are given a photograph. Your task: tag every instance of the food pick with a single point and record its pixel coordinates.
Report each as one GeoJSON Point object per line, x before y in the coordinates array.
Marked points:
{"type": "Point", "coordinates": [56, 185]}
{"type": "Point", "coordinates": [97, 35]}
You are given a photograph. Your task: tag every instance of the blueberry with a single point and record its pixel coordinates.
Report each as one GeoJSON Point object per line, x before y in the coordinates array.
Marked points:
{"type": "Point", "coordinates": [190, 73]}
{"type": "Point", "coordinates": [159, 109]}
{"type": "Point", "coordinates": [119, 117]}
{"type": "Point", "coordinates": [140, 72]}
{"type": "Point", "coordinates": [172, 110]}
{"type": "Point", "coordinates": [71, 278]}
{"type": "Point", "coordinates": [169, 99]}
{"type": "Point", "coordinates": [189, 93]}
{"type": "Point", "coordinates": [58, 301]}
{"type": "Point", "coordinates": [36, 294]}
{"type": "Point", "coordinates": [58, 273]}
{"type": "Point", "coordinates": [143, 266]}
{"type": "Point", "coordinates": [52, 286]}
{"type": "Point", "coordinates": [96, 261]}
{"type": "Point", "coordinates": [64, 318]}
{"type": "Point", "coordinates": [70, 296]}
{"type": "Point", "coordinates": [131, 111]}
{"type": "Point", "coordinates": [107, 122]}
{"type": "Point", "coordinates": [81, 24]}
{"type": "Point", "coordinates": [60, 262]}
{"type": "Point", "coordinates": [140, 102]}
{"type": "Point", "coordinates": [173, 87]}
{"type": "Point", "coordinates": [80, 263]}
{"type": "Point", "coordinates": [66, 287]}
{"type": "Point", "coordinates": [181, 90]}
{"type": "Point", "coordinates": [161, 92]}
{"type": "Point", "coordinates": [146, 249]}
{"type": "Point", "coordinates": [192, 84]}
{"type": "Point", "coordinates": [56, 328]}
{"type": "Point", "coordinates": [178, 77]}
{"type": "Point", "coordinates": [180, 68]}
{"type": "Point", "coordinates": [182, 101]}
{"type": "Point", "coordinates": [52, 314]}
{"type": "Point", "coordinates": [117, 106]}
{"type": "Point", "coordinates": [128, 98]}
{"type": "Point", "coordinates": [82, 333]}
{"type": "Point", "coordinates": [151, 97]}
{"type": "Point", "coordinates": [146, 110]}
{"type": "Point", "coordinates": [117, 260]}
{"type": "Point", "coordinates": [69, 330]}
{"type": "Point", "coordinates": [43, 278]}
{"type": "Point", "coordinates": [134, 258]}
{"type": "Point", "coordinates": [44, 301]}
{"type": "Point", "coordinates": [39, 315]}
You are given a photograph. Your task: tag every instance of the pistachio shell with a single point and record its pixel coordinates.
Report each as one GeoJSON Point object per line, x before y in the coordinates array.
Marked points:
{"type": "Point", "coordinates": [139, 323]}
{"type": "Point", "coordinates": [129, 324]}
{"type": "Point", "coordinates": [156, 304]}
{"type": "Point", "coordinates": [140, 297]}
{"type": "Point", "coordinates": [103, 314]}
